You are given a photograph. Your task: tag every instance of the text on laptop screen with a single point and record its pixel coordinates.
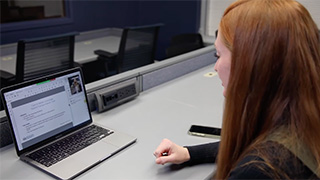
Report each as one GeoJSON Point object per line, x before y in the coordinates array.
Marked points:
{"type": "Point", "coordinates": [47, 108]}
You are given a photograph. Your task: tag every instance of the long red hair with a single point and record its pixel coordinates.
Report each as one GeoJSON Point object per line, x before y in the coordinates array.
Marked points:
{"type": "Point", "coordinates": [274, 79]}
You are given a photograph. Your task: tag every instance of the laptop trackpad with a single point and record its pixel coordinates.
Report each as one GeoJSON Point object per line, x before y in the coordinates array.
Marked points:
{"type": "Point", "coordinates": [119, 139]}
{"type": "Point", "coordinates": [83, 159]}
{"type": "Point", "coordinates": [96, 152]}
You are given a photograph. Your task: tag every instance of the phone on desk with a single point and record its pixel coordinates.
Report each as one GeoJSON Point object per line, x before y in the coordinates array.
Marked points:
{"type": "Point", "coordinates": [204, 131]}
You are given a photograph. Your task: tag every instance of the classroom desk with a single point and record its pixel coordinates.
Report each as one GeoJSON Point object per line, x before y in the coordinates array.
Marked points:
{"type": "Point", "coordinates": [84, 52]}
{"type": "Point", "coordinates": [165, 111]}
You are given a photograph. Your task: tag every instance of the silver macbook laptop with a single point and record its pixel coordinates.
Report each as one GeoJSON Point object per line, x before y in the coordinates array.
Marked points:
{"type": "Point", "coordinates": [52, 126]}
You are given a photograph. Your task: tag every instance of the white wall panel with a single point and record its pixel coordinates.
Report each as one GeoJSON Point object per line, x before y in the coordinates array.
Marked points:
{"type": "Point", "coordinates": [215, 8]}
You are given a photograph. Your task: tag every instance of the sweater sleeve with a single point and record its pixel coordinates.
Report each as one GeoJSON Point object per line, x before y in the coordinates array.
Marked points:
{"type": "Point", "coordinates": [204, 153]}
{"type": "Point", "coordinates": [250, 167]}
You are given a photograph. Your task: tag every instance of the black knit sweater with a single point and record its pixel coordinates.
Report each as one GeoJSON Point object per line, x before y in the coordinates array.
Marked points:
{"type": "Point", "coordinates": [253, 166]}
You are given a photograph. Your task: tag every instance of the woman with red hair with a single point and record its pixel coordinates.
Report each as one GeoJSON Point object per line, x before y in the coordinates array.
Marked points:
{"type": "Point", "coordinates": [269, 64]}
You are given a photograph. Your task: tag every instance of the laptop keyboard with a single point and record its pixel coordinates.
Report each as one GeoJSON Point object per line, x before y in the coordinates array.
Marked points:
{"type": "Point", "coordinates": [61, 149]}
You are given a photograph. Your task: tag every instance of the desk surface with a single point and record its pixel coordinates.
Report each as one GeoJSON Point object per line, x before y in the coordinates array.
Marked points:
{"type": "Point", "coordinates": [166, 111]}
{"type": "Point", "coordinates": [84, 52]}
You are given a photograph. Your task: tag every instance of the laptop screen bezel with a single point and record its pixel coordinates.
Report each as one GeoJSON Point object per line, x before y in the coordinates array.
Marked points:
{"type": "Point", "coordinates": [35, 81]}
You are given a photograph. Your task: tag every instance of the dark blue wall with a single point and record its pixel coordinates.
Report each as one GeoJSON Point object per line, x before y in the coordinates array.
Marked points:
{"type": "Point", "coordinates": [178, 17]}
{"type": "Point", "coordinates": [181, 16]}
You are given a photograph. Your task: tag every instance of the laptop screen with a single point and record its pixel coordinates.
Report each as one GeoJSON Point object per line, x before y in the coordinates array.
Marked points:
{"type": "Point", "coordinates": [46, 107]}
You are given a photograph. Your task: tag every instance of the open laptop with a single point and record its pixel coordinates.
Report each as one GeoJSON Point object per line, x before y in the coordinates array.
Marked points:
{"type": "Point", "coordinates": [52, 114]}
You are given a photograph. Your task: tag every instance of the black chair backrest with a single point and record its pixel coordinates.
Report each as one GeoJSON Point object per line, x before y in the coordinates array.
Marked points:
{"type": "Point", "coordinates": [184, 43]}
{"type": "Point", "coordinates": [41, 56]}
{"type": "Point", "coordinates": [137, 47]}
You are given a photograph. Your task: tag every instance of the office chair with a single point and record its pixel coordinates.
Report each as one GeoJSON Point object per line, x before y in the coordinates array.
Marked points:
{"type": "Point", "coordinates": [137, 48]}
{"type": "Point", "coordinates": [42, 56]}
{"type": "Point", "coordinates": [184, 43]}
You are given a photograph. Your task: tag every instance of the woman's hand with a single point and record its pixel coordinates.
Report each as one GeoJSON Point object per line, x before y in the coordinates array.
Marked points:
{"type": "Point", "coordinates": [169, 152]}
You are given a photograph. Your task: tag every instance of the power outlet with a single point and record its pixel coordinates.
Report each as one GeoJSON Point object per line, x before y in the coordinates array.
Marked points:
{"type": "Point", "coordinates": [109, 99]}
{"type": "Point", "coordinates": [119, 94]}
{"type": "Point", "coordinates": [111, 96]}
{"type": "Point", "coordinates": [127, 91]}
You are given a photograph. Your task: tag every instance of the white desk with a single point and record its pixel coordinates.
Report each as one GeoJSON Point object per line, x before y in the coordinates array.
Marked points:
{"type": "Point", "coordinates": [84, 52]}
{"type": "Point", "coordinates": [166, 111]}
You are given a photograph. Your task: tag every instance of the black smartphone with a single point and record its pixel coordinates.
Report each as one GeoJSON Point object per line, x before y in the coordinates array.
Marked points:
{"type": "Point", "coordinates": [204, 131]}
